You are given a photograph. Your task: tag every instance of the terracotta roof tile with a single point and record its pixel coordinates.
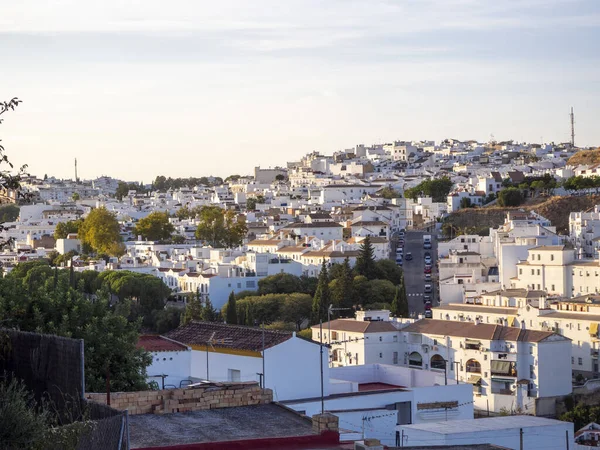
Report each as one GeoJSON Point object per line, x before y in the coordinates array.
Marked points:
{"type": "Point", "coordinates": [482, 331]}
{"type": "Point", "coordinates": [237, 337]}
{"type": "Point", "coordinates": [155, 343]}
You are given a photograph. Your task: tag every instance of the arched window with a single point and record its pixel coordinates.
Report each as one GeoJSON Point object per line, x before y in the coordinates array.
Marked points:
{"type": "Point", "coordinates": [415, 359]}
{"type": "Point", "coordinates": [473, 366]}
{"type": "Point", "coordinates": [437, 362]}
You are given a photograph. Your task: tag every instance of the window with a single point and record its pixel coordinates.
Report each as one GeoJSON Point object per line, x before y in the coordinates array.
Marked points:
{"type": "Point", "coordinates": [520, 271]}
{"type": "Point", "coordinates": [578, 327]}
{"type": "Point", "coordinates": [234, 375]}
{"type": "Point", "coordinates": [538, 271]}
{"type": "Point", "coordinates": [572, 360]}
{"type": "Point", "coordinates": [551, 257]}
{"type": "Point", "coordinates": [381, 355]}
{"type": "Point", "coordinates": [531, 371]}
{"type": "Point", "coordinates": [580, 361]}
{"type": "Point", "coordinates": [532, 271]}
{"type": "Point", "coordinates": [539, 257]}
{"type": "Point", "coordinates": [395, 338]}
{"type": "Point", "coordinates": [395, 358]}
{"type": "Point", "coordinates": [531, 349]}
{"type": "Point", "coordinates": [552, 286]}
{"type": "Point", "coordinates": [380, 339]}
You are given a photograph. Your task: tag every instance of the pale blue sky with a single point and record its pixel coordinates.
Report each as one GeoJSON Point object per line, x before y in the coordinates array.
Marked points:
{"type": "Point", "coordinates": [189, 88]}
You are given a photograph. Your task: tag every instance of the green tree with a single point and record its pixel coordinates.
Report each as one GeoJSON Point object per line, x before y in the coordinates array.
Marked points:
{"type": "Point", "coordinates": [342, 291]}
{"type": "Point", "coordinates": [395, 307]}
{"type": "Point", "coordinates": [296, 308]}
{"type": "Point", "coordinates": [154, 227]}
{"type": "Point", "coordinates": [220, 228]}
{"type": "Point", "coordinates": [402, 298]}
{"type": "Point", "coordinates": [510, 197]}
{"type": "Point", "coordinates": [365, 261]}
{"type": "Point", "coordinates": [438, 189]}
{"type": "Point", "coordinates": [101, 232]}
{"type": "Point", "coordinates": [281, 283]}
{"type": "Point", "coordinates": [166, 319]}
{"type": "Point", "coordinates": [63, 229]}
{"type": "Point", "coordinates": [193, 310]}
{"type": "Point", "coordinates": [122, 190]}
{"type": "Point", "coordinates": [76, 196]}
{"type": "Point", "coordinates": [388, 270]}
{"type": "Point", "coordinates": [380, 291]}
{"type": "Point", "coordinates": [9, 213]}
{"type": "Point", "coordinates": [231, 311]}
{"type": "Point", "coordinates": [209, 313]}
{"type": "Point", "coordinates": [280, 177]}
{"type": "Point", "coordinates": [389, 193]}
{"type": "Point", "coordinates": [251, 204]}
{"type": "Point", "coordinates": [24, 422]}
{"type": "Point", "coordinates": [322, 298]}
{"type": "Point", "coordinates": [465, 202]}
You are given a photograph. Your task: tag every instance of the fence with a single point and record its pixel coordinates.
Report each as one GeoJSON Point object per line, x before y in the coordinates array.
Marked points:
{"type": "Point", "coordinates": [52, 368]}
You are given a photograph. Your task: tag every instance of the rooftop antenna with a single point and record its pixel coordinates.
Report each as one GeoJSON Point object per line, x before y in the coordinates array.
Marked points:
{"type": "Point", "coordinates": [76, 179]}
{"type": "Point", "coordinates": [572, 127]}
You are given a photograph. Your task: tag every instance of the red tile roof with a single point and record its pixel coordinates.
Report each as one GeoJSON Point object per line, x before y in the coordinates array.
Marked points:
{"type": "Point", "coordinates": [154, 343]}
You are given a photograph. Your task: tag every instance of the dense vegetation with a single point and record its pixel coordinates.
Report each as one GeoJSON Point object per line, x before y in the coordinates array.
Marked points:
{"type": "Point", "coordinates": [106, 309]}
{"type": "Point", "coordinates": [438, 189]}
{"type": "Point", "coordinates": [162, 183]}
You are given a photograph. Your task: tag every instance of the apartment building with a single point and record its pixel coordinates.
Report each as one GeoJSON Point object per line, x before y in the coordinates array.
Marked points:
{"type": "Point", "coordinates": [584, 229]}
{"type": "Point", "coordinates": [510, 368]}
{"type": "Point", "coordinates": [577, 319]}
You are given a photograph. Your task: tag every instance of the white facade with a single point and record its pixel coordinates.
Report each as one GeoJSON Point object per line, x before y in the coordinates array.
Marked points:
{"type": "Point", "coordinates": [505, 432]}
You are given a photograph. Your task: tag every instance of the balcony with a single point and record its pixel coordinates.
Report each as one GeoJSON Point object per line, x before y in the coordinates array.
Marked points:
{"type": "Point", "coordinates": [503, 369]}
{"type": "Point", "coordinates": [503, 391]}
{"type": "Point", "coordinates": [594, 353]}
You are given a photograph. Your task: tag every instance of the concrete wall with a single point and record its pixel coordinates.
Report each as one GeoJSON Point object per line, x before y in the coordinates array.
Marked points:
{"type": "Point", "coordinates": [554, 368]}
{"type": "Point", "coordinates": [184, 400]}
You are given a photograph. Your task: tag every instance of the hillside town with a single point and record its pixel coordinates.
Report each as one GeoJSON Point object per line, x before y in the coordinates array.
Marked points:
{"type": "Point", "coordinates": [335, 288]}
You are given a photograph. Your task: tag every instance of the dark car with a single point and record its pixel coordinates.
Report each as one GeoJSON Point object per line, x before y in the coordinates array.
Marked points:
{"type": "Point", "coordinates": [408, 256]}
{"type": "Point", "coordinates": [428, 289]}
{"type": "Point", "coordinates": [427, 306]}
{"type": "Point", "coordinates": [427, 298]}
{"type": "Point", "coordinates": [428, 314]}
{"type": "Point", "coordinates": [428, 277]}
{"type": "Point", "coordinates": [427, 269]}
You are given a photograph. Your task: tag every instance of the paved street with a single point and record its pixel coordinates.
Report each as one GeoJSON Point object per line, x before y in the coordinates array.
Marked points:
{"type": "Point", "coordinates": [413, 270]}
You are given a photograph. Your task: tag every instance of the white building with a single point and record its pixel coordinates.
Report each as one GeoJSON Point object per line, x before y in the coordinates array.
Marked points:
{"type": "Point", "coordinates": [510, 368]}
{"type": "Point", "coordinates": [510, 432]}
{"type": "Point", "coordinates": [377, 397]}
{"type": "Point", "coordinates": [285, 363]}
{"type": "Point", "coordinates": [171, 361]}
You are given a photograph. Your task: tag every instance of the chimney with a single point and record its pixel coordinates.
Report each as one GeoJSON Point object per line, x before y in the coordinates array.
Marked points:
{"type": "Point", "coordinates": [281, 235]}
{"type": "Point", "coordinates": [325, 422]}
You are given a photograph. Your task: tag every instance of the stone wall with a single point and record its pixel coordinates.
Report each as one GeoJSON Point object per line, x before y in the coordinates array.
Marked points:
{"type": "Point", "coordinates": [223, 395]}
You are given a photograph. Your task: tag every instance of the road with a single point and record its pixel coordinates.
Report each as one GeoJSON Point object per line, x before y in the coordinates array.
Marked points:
{"type": "Point", "coordinates": [413, 270]}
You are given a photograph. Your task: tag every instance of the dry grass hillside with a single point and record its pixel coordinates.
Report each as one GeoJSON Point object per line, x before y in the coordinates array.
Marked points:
{"type": "Point", "coordinates": [585, 157]}
{"type": "Point", "coordinates": [556, 209]}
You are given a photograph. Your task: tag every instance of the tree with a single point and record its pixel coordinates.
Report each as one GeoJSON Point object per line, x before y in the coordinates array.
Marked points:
{"type": "Point", "coordinates": [296, 308]}
{"type": "Point", "coordinates": [438, 189]}
{"type": "Point", "coordinates": [465, 202]}
{"type": "Point", "coordinates": [122, 190]}
{"type": "Point", "coordinates": [63, 229]}
{"type": "Point", "coordinates": [251, 204]}
{"type": "Point", "coordinates": [380, 291]}
{"type": "Point", "coordinates": [9, 213]}
{"type": "Point", "coordinates": [389, 193]}
{"type": "Point", "coordinates": [154, 227]}
{"type": "Point", "coordinates": [322, 298]}
{"type": "Point", "coordinates": [23, 422]}
{"type": "Point", "coordinates": [281, 283]}
{"type": "Point", "coordinates": [75, 196]}
{"type": "Point", "coordinates": [395, 308]}
{"type": "Point", "coordinates": [166, 319]}
{"type": "Point", "coordinates": [510, 197]}
{"type": "Point", "coordinates": [341, 287]}
{"type": "Point", "coordinates": [365, 261]}
{"type": "Point", "coordinates": [101, 232]}
{"type": "Point", "coordinates": [193, 310]}
{"type": "Point", "coordinates": [221, 228]}
{"type": "Point", "coordinates": [231, 312]}
{"type": "Point", "coordinates": [402, 299]}
{"type": "Point", "coordinates": [280, 177]}
{"type": "Point", "coordinates": [209, 314]}
{"type": "Point", "coordinates": [388, 270]}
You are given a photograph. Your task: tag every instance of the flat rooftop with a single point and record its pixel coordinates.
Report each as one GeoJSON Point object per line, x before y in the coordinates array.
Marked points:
{"type": "Point", "coordinates": [483, 425]}
{"type": "Point", "coordinates": [224, 424]}
{"type": "Point", "coordinates": [368, 387]}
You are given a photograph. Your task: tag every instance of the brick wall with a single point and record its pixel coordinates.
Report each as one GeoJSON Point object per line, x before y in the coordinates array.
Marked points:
{"type": "Point", "coordinates": [184, 400]}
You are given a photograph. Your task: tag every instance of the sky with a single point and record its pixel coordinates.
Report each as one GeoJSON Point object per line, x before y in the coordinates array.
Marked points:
{"type": "Point", "coordinates": [136, 89]}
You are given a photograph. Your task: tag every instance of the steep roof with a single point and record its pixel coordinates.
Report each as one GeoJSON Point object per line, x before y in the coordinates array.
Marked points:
{"type": "Point", "coordinates": [154, 343]}
{"type": "Point", "coordinates": [477, 331]}
{"type": "Point", "coordinates": [228, 336]}
{"type": "Point", "coordinates": [358, 326]}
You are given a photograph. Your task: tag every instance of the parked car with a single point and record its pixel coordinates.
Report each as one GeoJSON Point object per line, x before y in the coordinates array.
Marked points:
{"type": "Point", "coordinates": [428, 260]}
{"type": "Point", "coordinates": [427, 269]}
{"type": "Point", "coordinates": [408, 256]}
{"type": "Point", "coordinates": [428, 314]}
{"type": "Point", "coordinates": [401, 242]}
{"type": "Point", "coordinates": [428, 289]}
{"type": "Point", "coordinates": [427, 306]}
{"type": "Point", "coordinates": [428, 277]}
{"type": "Point", "coordinates": [427, 298]}
{"type": "Point", "coordinates": [399, 261]}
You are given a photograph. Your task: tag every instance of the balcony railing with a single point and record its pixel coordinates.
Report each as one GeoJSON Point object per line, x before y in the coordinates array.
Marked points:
{"type": "Point", "coordinates": [503, 392]}
{"type": "Point", "coordinates": [594, 353]}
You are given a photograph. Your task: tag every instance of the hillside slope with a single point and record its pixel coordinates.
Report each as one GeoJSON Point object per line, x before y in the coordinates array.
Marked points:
{"type": "Point", "coordinates": [556, 209]}
{"type": "Point", "coordinates": [585, 157]}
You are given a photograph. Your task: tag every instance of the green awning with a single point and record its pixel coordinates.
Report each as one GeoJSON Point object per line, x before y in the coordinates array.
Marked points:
{"type": "Point", "coordinates": [502, 367]}
{"type": "Point", "coordinates": [503, 380]}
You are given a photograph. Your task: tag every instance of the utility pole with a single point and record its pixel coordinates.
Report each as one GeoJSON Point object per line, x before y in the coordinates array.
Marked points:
{"type": "Point", "coordinates": [456, 363]}
{"type": "Point", "coordinates": [567, 438]}
{"type": "Point", "coordinates": [521, 438]}
{"type": "Point", "coordinates": [263, 356]}
{"type": "Point", "coordinates": [572, 127]}
{"type": "Point", "coordinates": [321, 358]}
